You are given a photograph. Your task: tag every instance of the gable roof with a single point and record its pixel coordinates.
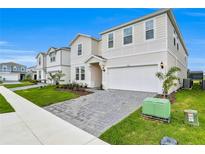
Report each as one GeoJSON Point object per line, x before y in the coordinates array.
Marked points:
{"type": "Point", "coordinates": [97, 57]}
{"type": "Point", "coordinates": [156, 13]}
{"type": "Point", "coordinates": [12, 63]}
{"type": "Point", "coordinates": [41, 53]}
{"type": "Point", "coordinates": [84, 35]}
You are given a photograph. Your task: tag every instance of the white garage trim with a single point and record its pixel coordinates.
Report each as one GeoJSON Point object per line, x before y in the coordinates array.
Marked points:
{"type": "Point", "coordinates": [123, 66]}
{"type": "Point", "coordinates": [135, 77]}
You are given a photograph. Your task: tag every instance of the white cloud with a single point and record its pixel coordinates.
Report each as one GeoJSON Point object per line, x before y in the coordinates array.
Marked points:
{"type": "Point", "coordinates": [20, 56]}
{"type": "Point", "coordinates": [197, 63]}
{"type": "Point", "coordinates": [195, 14]}
{"type": "Point", "coordinates": [2, 43]}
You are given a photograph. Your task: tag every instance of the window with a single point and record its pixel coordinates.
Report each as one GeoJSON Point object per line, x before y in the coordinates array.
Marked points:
{"type": "Point", "coordinates": [110, 40]}
{"type": "Point", "coordinates": [77, 73]}
{"type": "Point", "coordinates": [22, 69]}
{"type": "Point", "coordinates": [82, 71]}
{"type": "Point", "coordinates": [177, 46]}
{"type": "Point", "coordinates": [14, 68]}
{"type": "Point", "coordinates": [39, 75]}
{"type": "Point", "coordinates": [39, 60]}
{"type": "Point", "coordinates": [79, 49]}
{"type": "Point", "coordinates": [127, 35]}
{"type": "Point", "coordinates": [174, 41]}
{"type": "Point", "coordinates": [4, 68]}
{"type": "Point", "coordinates": [53, 57]}
{"type": "Point", "coordinates": [149, 29]}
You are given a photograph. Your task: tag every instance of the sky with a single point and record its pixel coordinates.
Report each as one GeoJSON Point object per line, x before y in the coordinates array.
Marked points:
{"type": "Point", "coordinates": [25, 32]}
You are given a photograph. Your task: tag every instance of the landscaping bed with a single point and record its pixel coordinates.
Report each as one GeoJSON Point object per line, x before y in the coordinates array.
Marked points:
{"type": "Point", "coordinates": [78, 89]}
{"type": "Point", "coordinates": [135, 129]}
{"type": "Point", "coordinates": [5, 106]}
{"type": "Point", "coordinates": [22, 84]}
{"type": "Point", "coordinates": [44, 96]}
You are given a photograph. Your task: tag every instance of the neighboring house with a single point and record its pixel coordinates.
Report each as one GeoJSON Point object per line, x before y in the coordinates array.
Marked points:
{"type": "Point", "coordinates": [128, 56]}
{"type": "Point", "coordinates": [41, 67]}
{"type": "Point", "coordinates": [11, 71]}
{"type": "Point", "coordinates": [53, 61]}
{"type": "Point", "coordinates": [32, 72]}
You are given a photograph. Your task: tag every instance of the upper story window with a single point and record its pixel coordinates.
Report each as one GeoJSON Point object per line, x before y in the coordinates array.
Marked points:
{"type": "Point", "coordinates": [77, 71]}
{"type": "Point", "coordinates": [22, 69]}
{"type": "Point", "coordinates": [4, 68]}
{"type": "Point", "coordinates": [174, 41]}
{"type": "Point", "coordinates": [14, 68]}
{"type": "Point", "coordinates": [149, 29]}
{"type": "Point", "coordinates": [79, 49]}
{"type": "Point", "coordinates": [177, 46]}
{"type": "Point", "coordinates": [110, 40]}
{"type": "Point", "coordinates": [39, 61]}
{"type": "Point", "coordinates": [127, 39]}
{"type": "Point", "coordinates": [52, 57]}
{"type": "Point", "coordinates": [82, 73]}
{"type": "Point", "coordinates": [185, 59]}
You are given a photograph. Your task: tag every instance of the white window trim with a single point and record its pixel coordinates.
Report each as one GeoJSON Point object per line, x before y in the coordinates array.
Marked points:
{"type": "Point", "coordinates": [51, 56]}
{"type": "Point", "coordinates": [122, 32]}
{"type": "Point", "coordinates": [14, 68]}
{"type": "Point", "coordinates": [81, 49]}
{"type": "Point", "coordinates": [154, 27]}
{"type": "Point", "coordinates": [81, 73]}
{"type": "Point", "coordinates": [77, 67]}
{"type": "Point", "coordinates": [113, 41]}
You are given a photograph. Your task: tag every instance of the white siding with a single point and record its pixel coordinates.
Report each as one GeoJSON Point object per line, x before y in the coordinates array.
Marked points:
{"type": "Point", "coordinates": [176, 57]}
{"type": "Point", "coordinates": [139, 43]}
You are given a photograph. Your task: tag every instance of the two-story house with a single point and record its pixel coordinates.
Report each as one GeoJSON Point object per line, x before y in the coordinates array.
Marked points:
{"type": "Point", "coordinates": [128, 56]}
{"type": "Point", "coordinates": [11, 71]}
{"type": "Point", "coordinates": [31, 71]}
{"type": "Point", "coordinates": [53, 61]}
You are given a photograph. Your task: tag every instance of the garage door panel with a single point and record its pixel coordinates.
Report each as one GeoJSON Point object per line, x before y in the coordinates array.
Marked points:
{"type": "Point", "coordinates": [141, 78]}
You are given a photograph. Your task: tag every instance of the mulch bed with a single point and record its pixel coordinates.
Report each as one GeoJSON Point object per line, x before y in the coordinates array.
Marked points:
{"type": "Point", "coordinates": [171, 97]}
{"type": "Point", "coordinates": [78, 92]}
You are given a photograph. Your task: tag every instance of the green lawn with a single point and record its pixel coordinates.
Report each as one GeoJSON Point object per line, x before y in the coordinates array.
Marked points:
{"type": "Point", "coordinates": [22, 84]}
{"type": "Point", "coordinates": [136, 130]}
{"type": "Point", "coordinates": [5, 106]}
{"type": "Point", "coordinates": [45, 96]}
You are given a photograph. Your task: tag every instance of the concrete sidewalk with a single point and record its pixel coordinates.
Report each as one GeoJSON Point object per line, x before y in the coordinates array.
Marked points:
{"type": "Point", "coordinates": [41, 127]}
{"type": "Point", "coordinates": [27, 87]}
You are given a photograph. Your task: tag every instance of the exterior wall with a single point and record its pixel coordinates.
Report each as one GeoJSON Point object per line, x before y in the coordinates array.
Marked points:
{"type": "Point", "coordinates": [10, 68]}
{"type": "Point", "coordinates": [141, 52]}
{"type": "Point", "coordinates": [139, 44]}
{"type": "Point", "coordinates": [65, 70]}
{"type": "Point", "coordinates": [89, 47]}
{"type": "Point", "coordinates": [176, 57]}
{"type": "Point", "coordinates": [151, 58]}
{"type": "Point", "coordinates": [41, 69]}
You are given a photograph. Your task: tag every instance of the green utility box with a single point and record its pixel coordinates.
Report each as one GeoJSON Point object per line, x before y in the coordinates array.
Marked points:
{"type": "Point", "coordinates": [191, 117]}
{"type": "Point", "coordinates": [157, 107]}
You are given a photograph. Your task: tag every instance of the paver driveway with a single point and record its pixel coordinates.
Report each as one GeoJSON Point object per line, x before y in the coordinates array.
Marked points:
{"type": "Point", "coordinates": [97, 112]}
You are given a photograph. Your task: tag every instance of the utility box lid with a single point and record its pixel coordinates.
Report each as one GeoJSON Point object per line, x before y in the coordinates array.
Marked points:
{"type": "Point", "coordinates": [156, 100]}
{"type": "Point", "coordinates": [191, 117]}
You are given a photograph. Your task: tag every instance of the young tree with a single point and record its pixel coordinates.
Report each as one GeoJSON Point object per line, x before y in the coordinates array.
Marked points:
{"type": "Point", "coordinates": [56, 78]}
{"type": "Point", "coordinates": [168, 79]}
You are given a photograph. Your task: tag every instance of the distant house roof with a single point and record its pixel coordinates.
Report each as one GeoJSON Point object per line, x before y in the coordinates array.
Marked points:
{"type": "Point", "coordinates": [196, 75]}
{"type": "Point", "coordinates": [84, 35]}
{"type": "Point", "coordinates": [54, 49]}
{"type": "Point", "coordinates": [12, 63]}
{"type": "Point", "coordinates": [40, 53]}
{"type": "Point", "coordinates": [156, 13]}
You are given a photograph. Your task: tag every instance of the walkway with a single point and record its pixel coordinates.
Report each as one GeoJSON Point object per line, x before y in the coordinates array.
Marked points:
{"type": "Point", "coordinates": [31, 124]}
{"type": "Point", "coordinates": [27, 87]}
{"type": "Point", "coordinates": [96, 112]}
